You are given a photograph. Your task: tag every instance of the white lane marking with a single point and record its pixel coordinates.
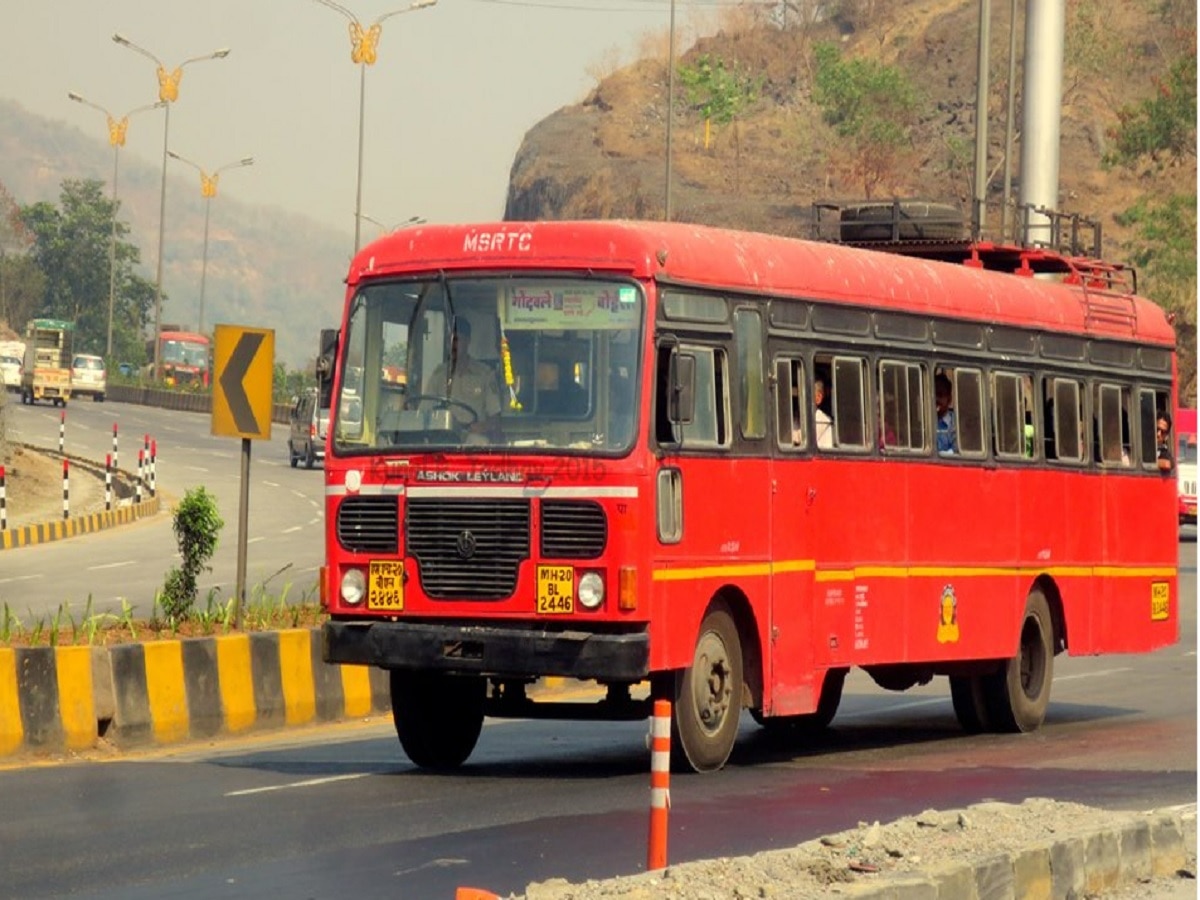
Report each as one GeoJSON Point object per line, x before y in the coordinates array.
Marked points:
{"type": "Point", "coordinates": [19, 578]}
{"type": "Point", "coordinates": [196, 468]}
{"type": "Point", "coordinates": [255, 540]}
{"type": "Point", "coordinates": [314, 520]}
{"type": "Point", "coordinates": [293, 529]}
{"type": "Point", "coordinates": [271, 483]}
{"type": "Point", "coordinates": [312, 782]}
{"type": "Point", "coordinates": [116, 565]}
{"type": "Point", "coordinates": [1101, 673]}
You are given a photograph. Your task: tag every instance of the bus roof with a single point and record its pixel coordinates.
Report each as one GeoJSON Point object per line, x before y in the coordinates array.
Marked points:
{"type": "Point", "coordinates": [734, 261]}
{"type": "Point", "coordinates": [192, 336]}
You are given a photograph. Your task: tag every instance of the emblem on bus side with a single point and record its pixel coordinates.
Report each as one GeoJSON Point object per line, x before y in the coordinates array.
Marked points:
{"type": "Point", "coordinates": [947, 632]}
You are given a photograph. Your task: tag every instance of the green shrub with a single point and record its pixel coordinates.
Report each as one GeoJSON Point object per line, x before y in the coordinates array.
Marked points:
{"type": "Point", "coordinates": [197, 525]}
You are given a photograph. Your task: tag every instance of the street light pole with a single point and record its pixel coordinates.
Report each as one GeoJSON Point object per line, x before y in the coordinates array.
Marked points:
{"type": "Point", "coordinates": [386, 229]}
{"type": "Point", "coordinates": [208, 190]}
{"type": "Point", "coordinates": [670, 106]}
{"type": "Point", "coordinates": [363, 52]}
{"type": "Point", "coordinates": [168, 93]}
{"type": "Point", "coordinates": [116, 139]}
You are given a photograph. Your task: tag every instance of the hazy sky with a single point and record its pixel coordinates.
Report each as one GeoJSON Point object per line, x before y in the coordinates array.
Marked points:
{"type": "Point", "coordinates": [448, 101]}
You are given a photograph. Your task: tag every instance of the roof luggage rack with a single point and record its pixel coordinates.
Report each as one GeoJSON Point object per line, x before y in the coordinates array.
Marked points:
{"type": "Point", "coordinates": [1048, 242]}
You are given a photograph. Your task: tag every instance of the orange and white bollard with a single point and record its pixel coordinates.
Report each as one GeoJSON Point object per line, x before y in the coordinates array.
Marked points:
{"type": "Point", "coordinates": [660, 784]}
{"type": "Point", "coordinates": [470, 893]}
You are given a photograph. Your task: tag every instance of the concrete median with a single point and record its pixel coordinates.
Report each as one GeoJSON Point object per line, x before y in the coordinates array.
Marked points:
{"type": "Point", "coordinates": [56, 700]}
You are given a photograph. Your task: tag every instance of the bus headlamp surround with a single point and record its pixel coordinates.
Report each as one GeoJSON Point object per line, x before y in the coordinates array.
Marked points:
{"type": "Point", "coordinates": [354, 587]}
{"type": "Point", "coordinates": [591, 590]}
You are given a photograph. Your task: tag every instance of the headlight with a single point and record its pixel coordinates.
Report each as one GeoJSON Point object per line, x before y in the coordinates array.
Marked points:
{"type": "Point", "coordinates": [354, 587]}
{"type": "Point", "coordinates": [591, 590]}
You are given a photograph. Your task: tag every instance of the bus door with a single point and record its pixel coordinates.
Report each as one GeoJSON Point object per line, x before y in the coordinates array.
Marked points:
{"type": "Point", "coordinates": [793, 688]}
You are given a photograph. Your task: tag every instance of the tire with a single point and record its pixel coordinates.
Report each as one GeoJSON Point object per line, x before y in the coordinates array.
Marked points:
{"type": "Point", "coordinates": [916, 220]}
{"type": "Point", "coordinates": [970, 703]}
{"type": "Point", "coordinates": [708, 697]}
{"type": "Point", "coordinates": [310, 458]}
{"type": "Point", "coordinates": [438, 717]}
{"type": "Point", "coordinates": [809, 723]}
{"type": "Point", "coordinates": [1019, 693]}
{"type": "Point", "coordinates": [292, 458]}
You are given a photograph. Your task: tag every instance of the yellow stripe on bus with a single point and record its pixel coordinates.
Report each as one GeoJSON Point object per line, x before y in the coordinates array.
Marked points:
{"type": "Point", "coordinates": [826, 575]}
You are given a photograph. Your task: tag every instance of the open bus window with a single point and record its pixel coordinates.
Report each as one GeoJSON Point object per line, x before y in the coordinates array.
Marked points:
{"type": "Point", "coordinates": [1151, 405]}
{"type": "Point", "coordinates": [902, 402]}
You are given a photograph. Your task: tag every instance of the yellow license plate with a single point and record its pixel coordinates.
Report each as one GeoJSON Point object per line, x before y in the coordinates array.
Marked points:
{"type": "Point", "coordinates": [555, 590]}
{"type": "Point", "coordinates": [385, 586]}
{"type": "Point", "coordinates": [1160, 600]}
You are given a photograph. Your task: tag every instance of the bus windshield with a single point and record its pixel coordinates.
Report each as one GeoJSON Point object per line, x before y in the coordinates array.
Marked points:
{"type": "Point", "coordinates": [506, 363]}
{"type": "Point", "coordinates": [186, 353]}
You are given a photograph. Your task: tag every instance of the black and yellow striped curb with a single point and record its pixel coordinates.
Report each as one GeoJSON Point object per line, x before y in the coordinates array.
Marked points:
{"type": "Point", "coordinates": [43, 532]}
{"type": "Point", "coordinates": [124, 486]}
{"type": "Point", "coordinates": [61, 699]}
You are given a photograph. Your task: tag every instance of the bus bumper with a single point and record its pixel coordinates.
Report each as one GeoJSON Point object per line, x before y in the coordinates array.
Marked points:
{"type": "Point", "coordinates": [514, 651]}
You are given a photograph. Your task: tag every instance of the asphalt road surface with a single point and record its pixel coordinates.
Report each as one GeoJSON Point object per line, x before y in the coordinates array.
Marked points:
{"type": "Point", "coordinates": [285, 528]}
{"type": "Point", "coordinates": [338, 811]}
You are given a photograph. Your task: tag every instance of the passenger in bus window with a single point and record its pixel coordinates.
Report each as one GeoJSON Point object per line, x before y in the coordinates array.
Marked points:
{"type": "Point", "coordinates": [824, 424]}
{"type": "Point", "coordinates": [1162, 434]}
{"type": "Point", "coordinates": [947, 423]}
{"type": "Point", "coordinates": [468, 383]}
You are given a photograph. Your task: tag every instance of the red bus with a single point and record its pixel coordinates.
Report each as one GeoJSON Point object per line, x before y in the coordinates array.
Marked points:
{"type": "Point", "coordinates": [603, 465]}
{"type": "Point", "coordinates": [185, 357]}
{"type": "Point", "coordinates": [1185, 464]}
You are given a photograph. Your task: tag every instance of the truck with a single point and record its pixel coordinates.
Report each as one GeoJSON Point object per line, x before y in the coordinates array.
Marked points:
{"type": "Point", "coordinates": [47, 372]}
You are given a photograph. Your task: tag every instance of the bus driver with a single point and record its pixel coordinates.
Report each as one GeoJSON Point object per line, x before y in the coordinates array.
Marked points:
{"type": "Point", "coordinates": [468, 382]}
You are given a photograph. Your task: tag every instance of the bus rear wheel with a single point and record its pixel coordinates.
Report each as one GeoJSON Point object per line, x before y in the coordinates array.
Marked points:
{"type": "Point", "coordinates": [1019, 693]}
{"type": "Point", "coordinates": [708, 697]}
{"type": "Point", "coordinates": [968, 694]}
{"type": "Point", "coordinates": [438, 717]}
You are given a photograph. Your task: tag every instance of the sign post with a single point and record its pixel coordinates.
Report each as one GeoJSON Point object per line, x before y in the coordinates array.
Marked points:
{"type": "Point", "coordinates": [243, 367]}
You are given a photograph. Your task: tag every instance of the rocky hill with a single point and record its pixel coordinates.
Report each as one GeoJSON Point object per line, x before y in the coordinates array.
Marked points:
{"type": "Point", "coordinates": [604, 157]}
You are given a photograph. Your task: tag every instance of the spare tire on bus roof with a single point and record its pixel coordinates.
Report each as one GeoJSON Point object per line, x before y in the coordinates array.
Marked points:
{"type": "Point", "coordinates": [916, 220]}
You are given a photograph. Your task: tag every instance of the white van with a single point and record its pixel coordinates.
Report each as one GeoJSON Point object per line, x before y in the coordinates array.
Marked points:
{"type": "Point", "coordinates": [88, 376]}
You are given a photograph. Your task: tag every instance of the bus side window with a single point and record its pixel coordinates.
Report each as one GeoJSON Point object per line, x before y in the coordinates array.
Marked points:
{"type": "Point", "coordinates": [1008, 416]}
{"type": "Point", "coordinates": [1111, 442]}
{"type": "Point", "coordinates": [968, 410]}
{"type": "Point", "coordinates": [849, 390]}
{"type": "Point", "coordinates": [902, 400]}
{"type": "Point", "coordinates": [790, 405]}
{"type": "Point", "coordinates": [1068, 420]}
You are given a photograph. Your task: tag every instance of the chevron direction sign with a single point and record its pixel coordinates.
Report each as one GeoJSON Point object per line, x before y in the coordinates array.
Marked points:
{"type": "Point", "coordinates": [243, 365]}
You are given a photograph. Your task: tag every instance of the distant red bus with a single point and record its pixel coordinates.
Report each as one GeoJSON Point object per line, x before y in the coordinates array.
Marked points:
{"type": "Point", "coordinates": [604, 464]}
{"type": "Point", "coordinates": [184, 356]}
{"type": "Point", "coordinates": [1185, 464]}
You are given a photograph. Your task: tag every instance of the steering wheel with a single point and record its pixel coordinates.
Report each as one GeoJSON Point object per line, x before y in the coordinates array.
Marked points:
{"type": "Point", "coordinates": [413, 400]}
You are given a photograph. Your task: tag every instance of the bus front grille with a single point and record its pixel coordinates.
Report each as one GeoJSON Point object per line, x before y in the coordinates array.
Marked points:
{"type": "Point", "coordinates": [368, 524]}
{"type": "Point", "coordinates": [573, 529]}
{"type": "Point", "coordinates": [467, 549]}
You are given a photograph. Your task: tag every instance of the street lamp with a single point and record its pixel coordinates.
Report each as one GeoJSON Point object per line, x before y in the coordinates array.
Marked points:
{"type": "Point", "coordinates": [116, 139]}
{"type": "Point", "coordinates": [168, 93]}
{"type": "Point", "coordinates": [411, 220]}
{"type": "Point", "coordinates": [363, 42]}
{"type": "Point", "coordinates": [208, 190]}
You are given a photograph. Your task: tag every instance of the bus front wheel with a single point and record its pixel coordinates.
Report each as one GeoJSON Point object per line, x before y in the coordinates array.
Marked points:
{"type": "Point", "coordinates": [1019, 693]}
{"type": "Point", "coordinates": [438, 717]}
{"type": "Point", "coordinates": [708, 697]}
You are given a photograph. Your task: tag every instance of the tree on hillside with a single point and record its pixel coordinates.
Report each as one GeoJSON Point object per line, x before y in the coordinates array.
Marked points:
{"type": "Point", "coordinates": [1163, 129]}
{"type": "Point", "coordinates": [873, 108]}
{"type": "Point", "coordinates": [71, 248]}
{"type": "Point", "coordinates": [21, 283]}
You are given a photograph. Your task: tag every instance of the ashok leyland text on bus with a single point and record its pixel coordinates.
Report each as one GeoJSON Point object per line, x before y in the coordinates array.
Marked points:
{"type": "Point", "coordinates": [640, 452]}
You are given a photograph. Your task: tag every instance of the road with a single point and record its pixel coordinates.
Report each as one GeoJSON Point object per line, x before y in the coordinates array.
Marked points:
{"type": "Point", "coordinates": [285, 536]}
{"type": "Point", "coordinates": [338, 811]}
